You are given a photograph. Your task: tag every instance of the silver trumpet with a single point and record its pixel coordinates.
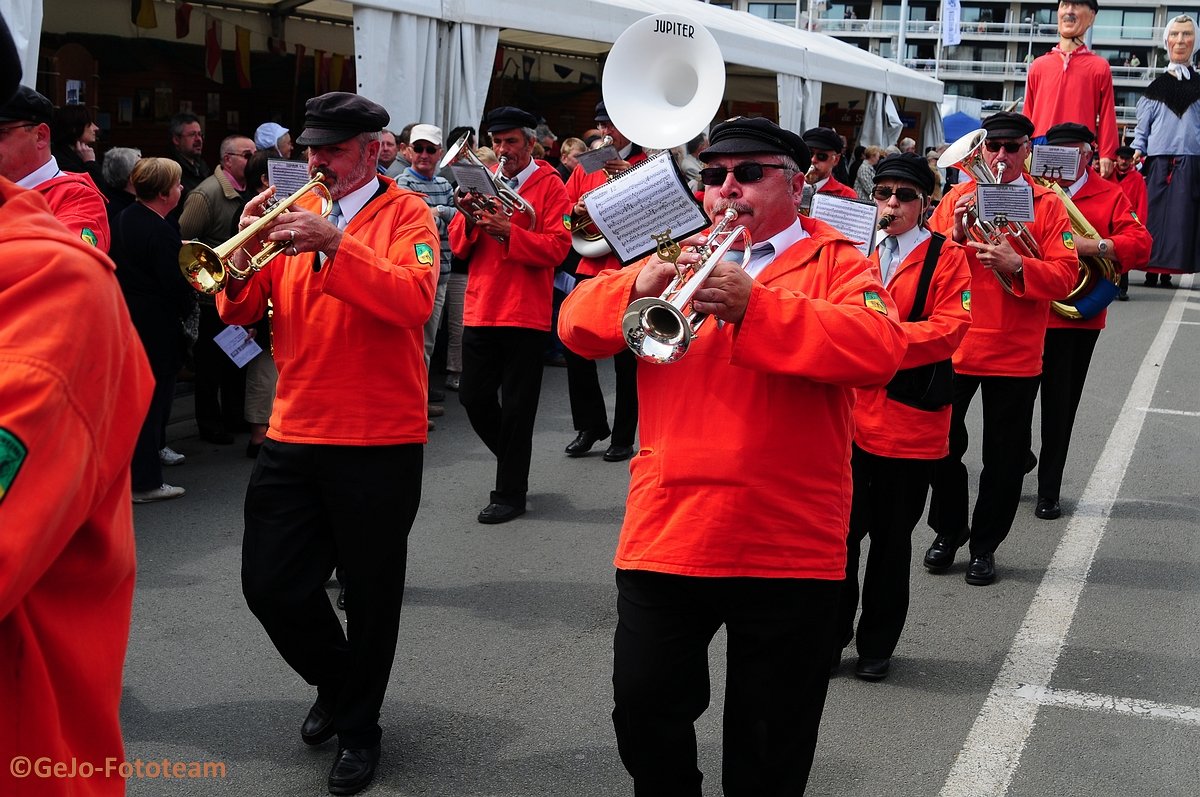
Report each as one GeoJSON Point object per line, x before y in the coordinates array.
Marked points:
{"type": "Point", "coordinates": [660, 329]}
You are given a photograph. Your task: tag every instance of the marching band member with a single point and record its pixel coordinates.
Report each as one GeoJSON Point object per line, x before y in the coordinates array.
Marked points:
{"type": "Point", "coordinates": [508, 306]}
{"type": "Point", "coordinates": [338, 480]}
{"type": "Point", "coordinates": [583, 384]}
{"type": "Point", "coordinates": [729, 526]}
{"type": "Point", "coordinates": [826, 147]}
{"type": "Point", "coordinates": [1001, 355]}
{"type": "Point", "coordinates": [1073, 84]}
{"type": "Point", "coordinates": [900, 432]}
{"type": "Point", "coordinates": [1069, 343]}
{"type": "Point", "coordinates": [1134, 185]}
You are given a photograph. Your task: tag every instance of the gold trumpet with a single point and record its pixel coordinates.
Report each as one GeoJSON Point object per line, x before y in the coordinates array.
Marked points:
{"type": "Point", "coordinates": [208, 268]}
{"type": "Point", "coordinates": [586, 238]}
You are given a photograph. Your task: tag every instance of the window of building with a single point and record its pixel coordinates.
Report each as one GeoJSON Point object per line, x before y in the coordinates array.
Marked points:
{"type": "Point", "coordinates": [1120, 24]}
{"type": "Point", "coordinates": [778, 12]}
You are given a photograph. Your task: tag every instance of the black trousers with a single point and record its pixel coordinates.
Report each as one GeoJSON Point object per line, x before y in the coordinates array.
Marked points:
{"type": "Point", "coordinates": [1007, 429]}
{"type": "Point", "coordinates": [889, 497]}
{"type": "Point", "coordinates": [587, 399]}
{"type": "Point", "coordinates": [1065, 362]}
{"type": "Point", "coordinates": [145, 469]}
{"type": "Point", "coordinates": [310, 508]}
{"type": "Point", "coordinates": [500, 388]}
{"type": "Point", "coordinates": [780, 641]}
{"type": "Point", "coordinates": [220, 386]}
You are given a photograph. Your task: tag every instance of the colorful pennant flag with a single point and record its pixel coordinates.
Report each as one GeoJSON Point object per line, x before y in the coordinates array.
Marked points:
{"type": "Point", "coordinates": [243, 56]}
{"type": "Point", "coordinates": [141, 13]}
{"type": "Point", "coordinates": [183, 20]}
{"type": "Point", "coordinates": [212, 50]}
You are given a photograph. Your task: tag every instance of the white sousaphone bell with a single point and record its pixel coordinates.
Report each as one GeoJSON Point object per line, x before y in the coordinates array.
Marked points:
{"type": "Point", "coordinates": [663, 83]}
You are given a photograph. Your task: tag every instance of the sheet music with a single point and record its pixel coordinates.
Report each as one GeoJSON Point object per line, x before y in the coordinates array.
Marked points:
{"type": "Point", "coordinates": [473, 178]}
{"type": "Point", "coordinates": [1014, 202]}
{"type": "Point", "coordinates": [594, 159]}
{"type": "Point", "coordinates": [650, 198]}
{"type": "Point", "coordinates": [238, 345]}
{"type": "Point", "coordinates": [1055, 163]}
{"type": "Point", "coordinates": [288, 177]}
{"type": "Point", "coordinates": [856, 219]}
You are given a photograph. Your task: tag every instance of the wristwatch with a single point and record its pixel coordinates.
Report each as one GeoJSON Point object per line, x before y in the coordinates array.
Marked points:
{"type": "Point", "coordinates": [1103, 247]}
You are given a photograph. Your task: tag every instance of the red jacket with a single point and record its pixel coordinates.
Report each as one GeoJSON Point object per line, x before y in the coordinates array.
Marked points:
{"type": "Point", "coordinates": [578, 185]}
{"type": "Point", "coordinates": [744, 467]}
{"type": "Point", "coordinates": [1134, 186]}
{"type": "Point", "coordinates": [512, 284]}
{"type": "Point", "coordinates": [74, 391]}
{"type": "Point", "coordinates": [888, 428]}
{"type": "Point", "coordinates": [349, 339]}
{"type": "Point", "coordinates": [76, 202]}
{"type": "Point", "coordinates": [832, 186]}
{"type": "Point", "coordinates": [1007, 332]}
{"type": "Point", "coordinates": [1105, 205]}
{"type": "Point", "coordinates": [1073, 87]}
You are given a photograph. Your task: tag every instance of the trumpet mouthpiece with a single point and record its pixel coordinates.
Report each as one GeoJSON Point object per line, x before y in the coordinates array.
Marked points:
{"type": "Point", "coordinates": [886, 221]}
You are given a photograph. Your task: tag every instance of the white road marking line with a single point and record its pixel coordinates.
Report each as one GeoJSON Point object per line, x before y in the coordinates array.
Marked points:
{"type": "Point", "coordinates": [1109, 704]}
{"type": "Point", "coordinates": [1169, 412]}
{"type": "Point", "coordinates": [989, 758]}
{"type": "Point", "coordinates": [1188, 323]}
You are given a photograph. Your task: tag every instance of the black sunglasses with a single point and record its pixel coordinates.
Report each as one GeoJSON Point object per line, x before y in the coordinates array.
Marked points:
{"type": "Point", "coordinates": [883, 194]}
{"type": "Point", "coordinates": [423, 149]}
{"type": "Point", "coordinates": [821, 156]}
{"type": "Point", "coordinates": [1009, 146]}
{"type": "Point", "coordinates": [749, 172]}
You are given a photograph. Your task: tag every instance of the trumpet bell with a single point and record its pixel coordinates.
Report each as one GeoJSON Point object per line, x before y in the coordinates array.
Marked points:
{"type": "Point", "coordinates": [663, 80]}
{"type": "Point", "coordinates": [963, 151]}
{"type": "Point", "coordinates": [203, 268]}
{"type": "Point", "coordinates": [656, 330]}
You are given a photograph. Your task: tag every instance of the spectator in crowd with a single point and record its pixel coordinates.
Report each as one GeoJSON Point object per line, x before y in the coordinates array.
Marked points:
{"type": "Point", "coordinates": [187, 143]}
{"type": "Point", "coordinates": [275, 139]}
{"type": "Point", "coordinates": [73, 131]}
{"type": "Point", "coordinates": [118, 165]}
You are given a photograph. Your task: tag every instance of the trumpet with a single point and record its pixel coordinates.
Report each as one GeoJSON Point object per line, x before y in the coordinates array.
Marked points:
{"type": "Point", "coordinates": [208, 269]}
{"type": "Point", "coordinates": [586, 238]}
{"type": "Point", "coordinates": [660, 329]}
{"type": "Point", "coordinates": [506, 200]}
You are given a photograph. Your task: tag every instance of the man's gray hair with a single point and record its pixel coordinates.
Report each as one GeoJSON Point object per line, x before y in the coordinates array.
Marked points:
{"type": "Point", "coordinates": [118, 165]}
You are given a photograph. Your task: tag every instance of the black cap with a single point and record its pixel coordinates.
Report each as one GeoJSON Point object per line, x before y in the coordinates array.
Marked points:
{"type": "Point", "coordinates": [907, 166]}
{"type": "Point", "coordinates": [1070, 133]}
{"type": "Point", "coordinates": [743, 135]}
{"type": "Point", "coordinates": [506, 117]}
{"type": "Point", "coordinates": [1092, 4]}
{"type": "Point", "coordinates": [1125, 152]}
{"type": "Point", "coordinates": [823, 138]}
{"type": "Point", "coordinates": [1006, 124]}
{"type": "Point", "coordinates": [10, 63]}
{"type": "Point", "coordinates": [602, 113]}
{"type": "Point", "coordinates": [27, 106]}
{"type": "Point", "coordinates": [334, 117]}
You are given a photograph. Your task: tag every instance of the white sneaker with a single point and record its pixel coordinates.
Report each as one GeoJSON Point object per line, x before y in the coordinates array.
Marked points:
{"type": "Point", "coordinates": [163, 492]}
{"type": "Point", "coordinates": [169, 456]}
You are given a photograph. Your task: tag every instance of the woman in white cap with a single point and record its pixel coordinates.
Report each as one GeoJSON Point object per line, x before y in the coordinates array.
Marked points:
{"type": "Point", "coordinates": [272, 136]}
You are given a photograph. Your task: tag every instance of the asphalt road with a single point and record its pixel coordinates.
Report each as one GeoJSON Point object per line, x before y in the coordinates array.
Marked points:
{"type": "Point", "coordinates": [1074, 674]}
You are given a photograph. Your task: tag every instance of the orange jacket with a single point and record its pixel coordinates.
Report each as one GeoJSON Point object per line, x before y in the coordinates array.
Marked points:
{"type": "Point", "coordinates": [511, 284]}
{"type": "Point", "coordinates": [1105, 205]}
{"type": "Point", "coordinates": [1134, 186]}
{"type": "Point", "coordinates": [349, 339]}
{"type": "Point", "coordinates": [1007, 332]}
{"type": "Point", "coordinates": [579, 184]}
{"type": "Point", "coordinates": [76, 202]}
{"type": "Point", "coordinates": [833, 186]}
{"type": "Point", "coordinates": [888, 428]}
{"type": "Point", "coordinates": [74, 388]}
{"type": "Point", "coordinates": [744, 467]}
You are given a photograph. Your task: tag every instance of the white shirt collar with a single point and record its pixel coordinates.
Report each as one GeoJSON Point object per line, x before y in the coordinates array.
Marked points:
{"type": "Point", "coordinates": [354, 201]}
{"type": "Point", "coordinates": [47, 171]}
{"type": "Point", "coordinates": [1075, 186]}
{"type": "Point", "coordinates": [906, 242]}
{"type": "Point", "coordinates": [525, 174]}
{"type": "Point", "coordinates": [817, 186]}
{"type": "Point", "coordinates": [780, 242]}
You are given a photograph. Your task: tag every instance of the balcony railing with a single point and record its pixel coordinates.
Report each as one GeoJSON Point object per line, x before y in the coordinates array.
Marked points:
{"type": "Point", "coordinates": [886, 28]}
{"type": "Point", "coordinates": [1126, 114]}
{"type": "Point", "coordinates": [1140, 75]}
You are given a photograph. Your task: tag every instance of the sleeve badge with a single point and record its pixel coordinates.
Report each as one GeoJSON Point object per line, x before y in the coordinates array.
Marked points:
{"type": "Point", "coordinates": [1069, 239]}
{"type": "Point", "coordinates": [871, 299]}
{"type": "Point", "coordinates": [89, 237]}
{"type": "Point", "coordinates": [424, 254]}
{"type": "Point", "coordinates": [566, 221]}
{"type": "Point", "coordinates": [966, 301]}
{"type": "Point", "coordinates": [12, 456]}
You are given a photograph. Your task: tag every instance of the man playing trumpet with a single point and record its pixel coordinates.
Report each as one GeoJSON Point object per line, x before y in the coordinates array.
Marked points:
{"type": "Point", "coordinates": [1000, 355]}
{"type": "Point", "coordinates": [338, 480]}
{"type": "Point", "coordinates": [734, 528]}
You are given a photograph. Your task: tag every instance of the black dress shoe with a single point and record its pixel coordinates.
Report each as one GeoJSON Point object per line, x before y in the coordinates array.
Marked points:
{"type": "Point", "coordinates": [1048, 509]}
{"type": "Point", "coordinates": [1164, 281]}
{"type": "Point", "coordinates": [872, 669]}
{"type": "Point", "coordinates": [318, 725]}
{"type": "Point", "coordinates": [1030, 462]}
{"type": "Point", "coordinates": [618, 453]}
{"type": "Point", "coordinates": [982, 570]}
{"type": "Point", "coordinates": [1123, 296]}
{"type": "Point", "coordinates": [1151, 280]}
{"type": "Point", "coordinates": [341, 598]}
{"type": "Point", "coordinates": [941, 554]}
{"type": "Point", "coordinates": [353, 769]}
{"type": "Point", "coordinates": [500, 513]}
{"type": "Point", "coordinates": [584, 441]}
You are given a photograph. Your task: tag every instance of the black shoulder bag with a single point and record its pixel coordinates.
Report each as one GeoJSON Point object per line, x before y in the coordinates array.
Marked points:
{"type": "Point", "coordinates": [925, 387]}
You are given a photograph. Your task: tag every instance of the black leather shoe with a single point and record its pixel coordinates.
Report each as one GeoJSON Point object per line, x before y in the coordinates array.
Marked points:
{"type": "Point", "coordinates": [353, 769]}
{"type": "Point", "coordinates": [982, 570]}
{"type": "Point", "coordinates": [1048, 509]}
{"type": "Point", "coordinates": [318, 725]}
{"type": "Point", "coordinates": [872, 669]}
{"type": "Point", "coordinates": [500, 513]}
{"type": "Point", "coordinates": [584, 441]}
{"type": "Point", "coordinates": [1151, 280]}
{"type": "Point", "coordinates": [1123, 296]}
{"type": "Point", "coordinates": [941, 554]}
{"type": "Point", "coordinates": [618, 453]}
{"type": "Point", "coordinates": [341, 598]}
{"type": "Point", "coordinates": [1030, 462]}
